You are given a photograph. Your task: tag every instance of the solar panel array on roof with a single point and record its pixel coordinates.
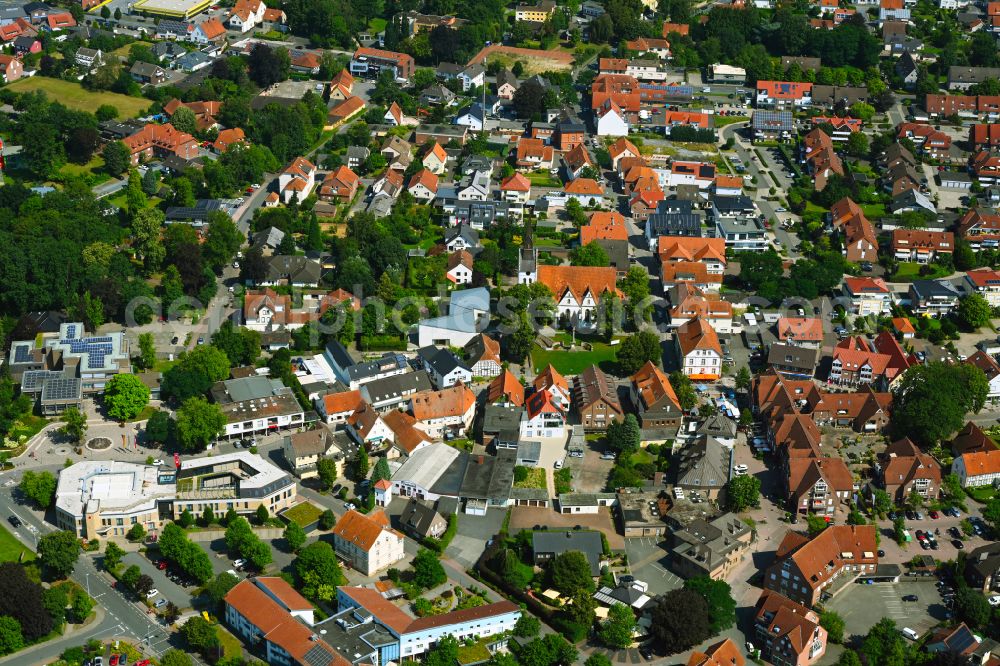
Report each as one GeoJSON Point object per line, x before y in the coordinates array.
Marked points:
{"type": "Point", "coordinates": [61, 388]}
{"type": "Point", "coordinates": [22, 353]}
{"type": "Point", "coordinates": [70, 331]}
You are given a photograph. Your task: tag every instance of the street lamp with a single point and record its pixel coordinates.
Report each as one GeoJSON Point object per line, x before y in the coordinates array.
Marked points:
{"type": "Point", "coordinates": [87, 576]}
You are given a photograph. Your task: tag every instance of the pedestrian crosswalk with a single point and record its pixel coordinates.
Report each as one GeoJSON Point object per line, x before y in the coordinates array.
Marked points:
{"type": "Point", "coordinates": [894, 606]}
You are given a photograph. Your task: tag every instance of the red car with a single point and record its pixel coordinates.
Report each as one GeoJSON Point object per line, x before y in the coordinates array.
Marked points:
{"type": "Point", "coordinates": [161, 565]}
{"type": "Point", "coordinates": [113, 661]}
{"type": "Point", "coordinates": [933, 514]}
{"type": "Point", "coordinates": [249, 190]}
{"type": "Point", "coordinates": [144, 662]}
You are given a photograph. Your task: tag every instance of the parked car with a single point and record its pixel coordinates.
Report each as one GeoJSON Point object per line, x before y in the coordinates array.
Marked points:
{"type": "Point", "coordinates": [933, 514]}
{"type": "Point", "coordinates": [910, 597]}
{"type": "Point", "coordinates": [348, 506]}
{"type": "Point", "coordinates": [14, 521]}
{"type": "Point", "coordinates": [957, 544]}
{"type": "Point", "coordinates": [240, 563]}
{"type": "Point", "coordinates": [161, 565]}
{"type": "Point", "coordinates": [152, 593]}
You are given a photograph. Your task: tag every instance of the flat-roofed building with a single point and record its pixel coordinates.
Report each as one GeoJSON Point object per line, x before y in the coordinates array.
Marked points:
{"type": "Point", "coordinates": [241, 481]}
{"type": "Point", "coordinates": [104, 498]}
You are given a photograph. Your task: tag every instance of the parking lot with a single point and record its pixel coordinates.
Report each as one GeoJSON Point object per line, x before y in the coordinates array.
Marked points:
{"type": "Point", "coordinates": [590, 473]}
{"type": "Point", "coordinates": [862, 606]}
{"type": "Point", "coordinates": [648, 561]}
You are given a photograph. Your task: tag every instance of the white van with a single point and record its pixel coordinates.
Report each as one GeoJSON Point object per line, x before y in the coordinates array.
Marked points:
{"type": "Point", "coordinates": [909, 633]}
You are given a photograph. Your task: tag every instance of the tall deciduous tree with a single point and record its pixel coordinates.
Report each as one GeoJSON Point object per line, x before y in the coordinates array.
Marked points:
{"type": "Point", "coordinates": [39, 487]}
{"type": "Point", "coordinates": [198, 423]}
{"type": "Point", "coordinates": [719, 599]}
{"type": "Point", "coordinates": [125, 396]}
{"type": "Point", "coordinates": [570, 571]}
{"type": "Point", "coordinates": [680, 619]}
{"type": "Point", "coordinates": [59, 552]}
{"type": "Point", "coordinates": [931, 401]}
{"type": "Point", "coordinates": [743, 492]}
{"type": "Point", "coordinates": [637, 349]}
{"type": "Point", "coordinates": [74, 424]}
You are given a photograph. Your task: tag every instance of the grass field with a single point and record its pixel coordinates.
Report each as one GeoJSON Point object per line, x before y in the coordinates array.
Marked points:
{"type": "Point", "coordinates": [542, 179]}
{"type": "Point", "coordinates": [909, 271]}
{"type": "Point", "coordinates": [123, 51]}
{"type": "Point", "coordinates": [576, 361]}
{"type": "Point", "coordinates": [11, 548]}
{"type": "Point", "coordinates": [376, 25]}
{"type": "Point", "coordinates": [873, 211]}
{"type": "Point", "coordinates": [75, 96]}
{"type": "Point", "coordinates": [231, 646]}
{"type": "Point", "coordinates": [536, 479]}
{"type": "Point", "coordinates": [304, 514]}
{"type": "Point", "coordinates": [91, 169]}
{"type": "Point", "coordinates": [722, 121]}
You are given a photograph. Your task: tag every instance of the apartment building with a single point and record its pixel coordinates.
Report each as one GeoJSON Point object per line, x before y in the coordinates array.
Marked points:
{"type": "Point", "coordinates": [367, 542]}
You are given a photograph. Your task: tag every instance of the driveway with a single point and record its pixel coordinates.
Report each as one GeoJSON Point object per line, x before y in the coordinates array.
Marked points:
{"type": "Point", "coordinates": [472, 534]}
{"type": "Point", "coordinates": [169, 590]}
{"type": "Point", "coordinates": [590, 473]}
{"type": "Point", "coordinates": [648, 560]}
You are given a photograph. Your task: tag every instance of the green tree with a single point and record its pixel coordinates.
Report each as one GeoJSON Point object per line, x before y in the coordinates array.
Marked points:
{"type": "Point", "coordinates": [175, 657]}
{"type": "Point", "coordinates": [11, 639]}
{"type": "Point", "coordinates": [527, 626]}
{"type": "Point", "coordinates": [743, 492]}
{"type": "Point", "coordinates": [195, 372]}
{"type": "Point", "coordinates": [220, 586]}
{"type": "Point", "coordinates": [184, 120]}
{"type": "Point", "coordinates": [815, 524]}
{"type": "Point", "coordinates": [222, 241]}
{"type": "Point", "coordinates": [427, 570]}
{"type": "Point", "coordinates": [318, 571]}
{"type": "Point", "coordinates": [679, 620]}
{"type": "Point", "coordinates": [257, 553]}
{"type": "Point", "coordinates": [198, 423]}
{"type": "Point", "coordinates": [82, 607]}
{"type": "Point", "coordinates": [857, 144]}
{"type": "Point", "coordinates": [55, 601]}
{"type": "Point", "coordinates": [136, 533]}
{"type": "Point", "coordinates": [624, 436]}
{"type": "Point", "coordinates": [591, 254]}
{"type": "Point", "coordinates": [974, 311]}
{"type": "Point", "coordinates": [147, 352]}
{"type": "Point", "coordinates": [200, 635]}
{"type": "Point", "coordinates": [125, 396]}
{"type": "Point", "coordinates": [294, 535]}
{"type": "Point", "coordinates": [238, 533]}
{"type": "Point", "coordinates": [719, 597]}
{"type": "Point", "coordinates": [159, 427]}
{"type": "Point", "coordinates": [849, 658]}
{"type": "Point", "coordinates": [59, 552]}
{"type": "Point", "coordinates": [570, 571]}
{"type": "Point", "coordinates": [743, 379]}
{"type": "Point", "coordinates": [113, 555]}
{"type": "Point", "coordinates": [186, 519]}
{"type": "Point", "coordinates": [39, 487]}
{"type": "Point", "coordinates": [881, 501]}
{"type": "Point", "coordinates": [951, 488]}
{"type": "Point", "coordinates": [636, 350]}
{"type": "Point", "coordinates": [240, 345]}
{"type": "Point", "coordinates": [326, 469]}
{"type": "Point", "coordinates": [116, 158]}
{"type": "Point", "coordinates": [131, 576]}
{"type": "Point", "coordinates": [263, 515]}
{"type": "Point", "coordinates": [74, 424]}
{"type": "Point", "coordinates": [207, 516]}
{"type": "Point", "coordinates": [684, 389]}
{"type": "Point", "coordinates": [616, 632]}
{"type": "Point", "coordinates": [381, 471]}
{"type": "Point", "coordinates": [930, 401]}
{"type": "Point", "coordinates": [327, 520]}
{"type": "Point", "coordinates": [834, 625]}
{"type": "Point", "coordinates": [361, 464]}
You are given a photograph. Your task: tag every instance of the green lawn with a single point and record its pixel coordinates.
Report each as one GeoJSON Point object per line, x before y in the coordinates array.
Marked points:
{"type": "Point", "coordinates": [982, 494]}
{"type": "Point", "coordinates": [536, 479]}
{"type": "Point", "coordinates": [11, 548]}
{"type": "Point", "coordinates": [909, 271]}
{"type": "Point", "coordinates": [75, 96]}
{"type": "Point", "coordinates": [28, 427]}
{"type": "Point", "coordinates": [144, 415]}
{"type": "Point", "coordinates": [576, 361]}
{"type": "Point", "coordinates": [376, 25]}
{"type": "Point", "coordinates": [91, 168]}
{"type": "Point", "coordinates": [231, 646]}
{"type": "Point", "coordinates": [543, 179]}
{"type": "Point", "coordinates": [304, 514]}
{"type": "Point", "coordinates": [722, 121]}
{"type": "Point", "coordinates": [813, 208]}
{"type": "Point", "coordinates": [873, 211]}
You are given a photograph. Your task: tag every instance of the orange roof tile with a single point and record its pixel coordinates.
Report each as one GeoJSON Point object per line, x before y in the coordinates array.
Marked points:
{"type": "Point", "coordinates": [338, 403]}
{"type": "Point", "coordinates": [361, 530]}
{"type": "Point", "coordinates": [578, 280]}
{"type": "Point", "coordinates": [453, 401]}
{"type": "Point", "coordinates": [506, 386]}
{"type": "Point", "coordinates": [697, 334]}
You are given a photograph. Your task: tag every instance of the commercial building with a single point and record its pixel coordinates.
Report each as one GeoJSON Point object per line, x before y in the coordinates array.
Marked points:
{"type": "Point", "coordinates": [71, 354]}
{"type": "Point", "coordinates": [241, 481]}
{"type": "Point", "coordinates": [710, 548]}
{"type": "Point", "coordinates": [788, 633]}
{"type": "Point", "coordinates": [96, 499]}
{"type": "Point", "coordinates": [257, 404]}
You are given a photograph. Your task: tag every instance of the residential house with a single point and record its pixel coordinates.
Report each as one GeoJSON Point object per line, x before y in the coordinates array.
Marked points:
{"type": "Point", "coordinates": [977, 468]}
{"type": "Point", "coordinates": [988, 364]}
{"type": "Point", "coordinates": [929, 141]}
{"type": "Point", "coordinates": [699, 350]}
{"type": "Point", "coordinates": [435, 159]}
{"type": "Point", "coordinates": [984, 137]}
{"type": "Point", "coordinates": [366, 542]}
{"type": "Point", "coordinates": [482, 355]}
{"type": "Point", "coordinates": [688, 301]}
{"type": "Point", "coordinates": [772, 125]}
{"type": "Point", "coordinates": [144, 72]}
{"type": "Point", "coordinates": [805, 567]}
{"type": "Point", "coordinates": [459, 268]}
{"type": "Point", "coordinates": [160, 141]}
{"type": "Point", "coordinates": [228, 138]}
{"type": "Point", "coordinates": [462, 237]}
{"type": "Point", "coordinates": [336, 408]}
{"type": "Point", "coordinates": [423, 185]}
{"type": "Point", "coordinates": [712, 548]}
{"type": "Point", "coordinates": [783, 94]}
{"type": "Point", "coordinates": [550, 380]}
{"type": "Point", "coordinates": [704, 467]}
{"type": "Point", "coordinates": [723, 653]}
{"type": "Point", "coordinates": [516, 188]}
{"type": "Point", "coordinates": [658, 407]}
{"type": "Point", "coordinates": [905, 470]}
{"type": "Point", "coordinates": [505, 390]}
{"type": "Point", "coordinates": [596, 399]}
{"type": "Point", "coordinates": [507, 84]}
{"type": "Point", "coordinates": [345, 110]}
{"type": "Point", "coordinates": [868, 296]}
{"type": "Point", "coordinates": [787, 632]}
{"type": "Point", "coordinates": [549, 544]}
{"type": "Point", "coordinates": [444, 367]}
{"type": "Point", "coordinates": [11, 68]}
{"type": "Point", "coordinates": [369, 63]}
{"type": "Point", "coordinates": [87, 59]}
{"type": "Point", "coordinates": [339, 185]}
{"type": "Point", "coordinates": [937, 297]}
{"type": "Point", "coordinates": [793, 359]}
{"type": "Point", "coordinates": [302, 450]}
{"type": "Point", "coordinates": [577, 289]}
{"type": "Point", "coordinates": [297, 180]}
{"type": "Point", "coordinates": [543, 418]}
{"type": "Point", "coordinates": [819, 486]}
{"type": "Point", "coordinates": [804, 331]}
{"type": "Point", "coordinates": [246, 15]}
{"type": "Point", "coordinates": [421, 521]}
{"type": "Point", "coordinates": [449, 410]}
